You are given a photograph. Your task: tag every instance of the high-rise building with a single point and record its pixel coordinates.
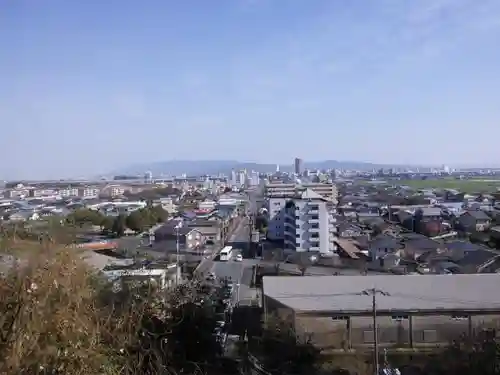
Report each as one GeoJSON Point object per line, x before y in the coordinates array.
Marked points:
{"type": "Point", "coordinates": [148, 177]}
{"type": "Point", "coordinates": [299, 166]}
{"type": "Point", "coordinates": [233, 178]}
{"type": "Point", "coordinates": [243, 178]}
{"type": "Point", "coordinates": [326, 190]}
{"type": "Point", "coordinates": [303, 219]}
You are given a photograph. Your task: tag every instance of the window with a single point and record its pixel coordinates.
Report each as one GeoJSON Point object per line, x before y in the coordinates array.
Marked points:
{"type": "Point", "coordinates": [314, 217]}
{"type": "Point", "coordinates": [460, 317]}
{"type": "Point", "coordinates": [429, 335]}
{"type": "Point", "coordinates": [368, 337]}
{"type": "Point", "coordinates": [340, 317]}
{"type": "Point", "coordinates": [297, 235]}
{"type": "Point", "coordinates": [399, 318]}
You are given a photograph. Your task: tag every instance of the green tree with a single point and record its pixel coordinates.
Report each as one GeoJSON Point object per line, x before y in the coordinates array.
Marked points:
{"type": "Point", "coordinates": [261, 223]}
{"type": "Point", "coordinates": [119, 226]}
{"type": "Point", "coordinates": [85, 216]}
{"type": "Point", "coordinates": [107, 224]}
{"type": "Point", "coordinates": [303, 261]}
{"type": "Point", "coordinates": [136, 221]}
{"type": "Point", "coordinates": [159, 215]}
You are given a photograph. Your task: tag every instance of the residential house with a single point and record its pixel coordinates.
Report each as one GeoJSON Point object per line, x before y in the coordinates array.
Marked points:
{"type": "Point", "coordinates": [428, 220]}
{"type": "Point", "coordinates": [405, 218]}
{"type": "Point", "coordinates": [495, 233]}
{"type": "Point", "coordinates": [452, 208]}
{"type": "Point", "coordinates": [416, 245]}
{"type": "Point", "coordinates": [170, 232]}
{"type": "Point", "coordinates": [211, 229]}
{"type": "Point", "coordinates": [460, 257]}
{"type": "Point", "coordinates": [472, 258]}
{"type": "Point", "coordinates": [381, 246]}
{"type": "Point", "coordinates": [349, 230]}
{"type": "Point", "coordinates": [474, 221]}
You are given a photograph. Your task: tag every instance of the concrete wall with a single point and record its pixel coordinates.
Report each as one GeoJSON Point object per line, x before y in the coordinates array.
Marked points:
{"type": "Point", "coordinates": [408, 331]}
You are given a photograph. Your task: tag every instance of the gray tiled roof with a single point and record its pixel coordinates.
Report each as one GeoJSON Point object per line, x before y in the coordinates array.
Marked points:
{"type": "Point", "coordinates": [478, 214]}
{"type": "Point", "coordinates": [406, 293]}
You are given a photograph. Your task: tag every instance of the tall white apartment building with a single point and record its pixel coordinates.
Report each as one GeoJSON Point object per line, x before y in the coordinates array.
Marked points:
{"type": "Point", "coordinates": [303, 219]}
{"type": "Point", "coordinates": [326, 190]}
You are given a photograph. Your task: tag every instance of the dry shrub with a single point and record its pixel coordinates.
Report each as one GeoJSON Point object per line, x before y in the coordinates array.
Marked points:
{"type": "Point", "coordinates": [58, 317]}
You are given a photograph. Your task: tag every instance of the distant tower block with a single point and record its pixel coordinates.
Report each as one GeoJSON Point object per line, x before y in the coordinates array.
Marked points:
{"type": "Point", "coordinates": [148, 177]}
{"type": "Point", "coordinates": [298, 166]}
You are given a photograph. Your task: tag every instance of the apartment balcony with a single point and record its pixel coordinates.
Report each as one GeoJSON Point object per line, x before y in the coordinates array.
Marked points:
{"type": "Point", "coordinates": [314, 248]}
{"type": "Point", "coordinates": [290, 216]}
{"type": "Point", "coordinates": [313, 221]}
{"type": "Point", "coordinates": [313, 230]}
{"type": "Point", "coordinates": [290, 243]}
{"type": "Point", "coordinates": [289, 224]}
{"type": "Point", "coordinates": [313, 212]}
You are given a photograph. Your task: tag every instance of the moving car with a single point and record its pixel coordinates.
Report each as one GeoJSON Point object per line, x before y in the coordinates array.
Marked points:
{"type": "Point", "coordinates": [238, 258]}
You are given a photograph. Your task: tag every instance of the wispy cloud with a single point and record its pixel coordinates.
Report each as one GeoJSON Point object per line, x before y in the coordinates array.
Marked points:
{"type": "Point", "coordinates": [396, 32]}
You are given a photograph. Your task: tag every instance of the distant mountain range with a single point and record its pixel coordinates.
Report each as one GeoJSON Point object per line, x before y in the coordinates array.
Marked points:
{"type": "Point", "coordinates": [212, 167]}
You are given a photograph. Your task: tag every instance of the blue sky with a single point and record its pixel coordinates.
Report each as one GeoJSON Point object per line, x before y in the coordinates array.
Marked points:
{"type": "Point", "coordinates": [89, 86]}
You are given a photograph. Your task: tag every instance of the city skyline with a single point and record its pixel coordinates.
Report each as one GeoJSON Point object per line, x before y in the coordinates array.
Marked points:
{"type": "Point", "coordinates": [90, 88]}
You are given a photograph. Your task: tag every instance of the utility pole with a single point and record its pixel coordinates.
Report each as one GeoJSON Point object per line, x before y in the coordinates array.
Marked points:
{"type": "Point", "coordinates": [374, 292]}
{"type": "Point", "coordinates": [177, 248]}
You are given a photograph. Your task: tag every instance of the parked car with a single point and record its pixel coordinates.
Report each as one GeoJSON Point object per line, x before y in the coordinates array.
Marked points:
{"type": "Point", "coordinates": [238, 258]}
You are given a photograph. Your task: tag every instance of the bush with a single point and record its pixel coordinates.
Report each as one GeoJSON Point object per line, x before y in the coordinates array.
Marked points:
{"type": "Point", "coordinates": [59, 317]}
{"type": "Point", "coordinates": [281, 351]}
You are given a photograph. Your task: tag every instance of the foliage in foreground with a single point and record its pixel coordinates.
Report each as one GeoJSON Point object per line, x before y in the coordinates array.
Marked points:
{"type": "Point", "coordinates": [477, 355]}
{"type": "Point", "coordinates": [58, 317]}
{"type": "Point", "coordinates": [281, 351]}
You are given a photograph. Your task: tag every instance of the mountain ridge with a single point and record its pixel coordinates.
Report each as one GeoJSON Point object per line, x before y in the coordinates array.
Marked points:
{"type": "Point", "coordinates": [211, 167]}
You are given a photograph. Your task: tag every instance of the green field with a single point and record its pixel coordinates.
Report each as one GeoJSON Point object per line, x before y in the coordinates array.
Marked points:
{"type": "Point", "coordinates": [467, 186]}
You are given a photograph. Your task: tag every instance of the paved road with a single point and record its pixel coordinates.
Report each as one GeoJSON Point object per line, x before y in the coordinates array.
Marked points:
{"type": "Point", "coordinates": [255, 200]}
{"type": "Point", "coordinates": [228, 269]}
{"type": "Point", "coordinates": [241, 233]}
{"type": "Point", "coordinates": [239, 272]}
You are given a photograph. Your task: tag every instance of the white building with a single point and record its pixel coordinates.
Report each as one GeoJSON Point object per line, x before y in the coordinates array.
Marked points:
{"type": "Point", "coordinates": [233, 179]}
{"type": "Point", "coordinates": [302, 219]}
{"type": "Point", "coordinates": [68, 192]}
{"type": "Point", "coordinates": [242, 178]}
{"type": "Point", "coordinates": [326, 190]}
{"type": "Point", "coordinates": [207, 205]}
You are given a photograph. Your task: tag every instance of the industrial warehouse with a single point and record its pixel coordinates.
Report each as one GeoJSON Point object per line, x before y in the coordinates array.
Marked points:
{"type": "Point", "coordinates": [414, 311]}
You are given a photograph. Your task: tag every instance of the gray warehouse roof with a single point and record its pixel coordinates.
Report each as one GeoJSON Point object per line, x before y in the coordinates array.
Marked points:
{"type": "Point", "coordinates": [405, 293]}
